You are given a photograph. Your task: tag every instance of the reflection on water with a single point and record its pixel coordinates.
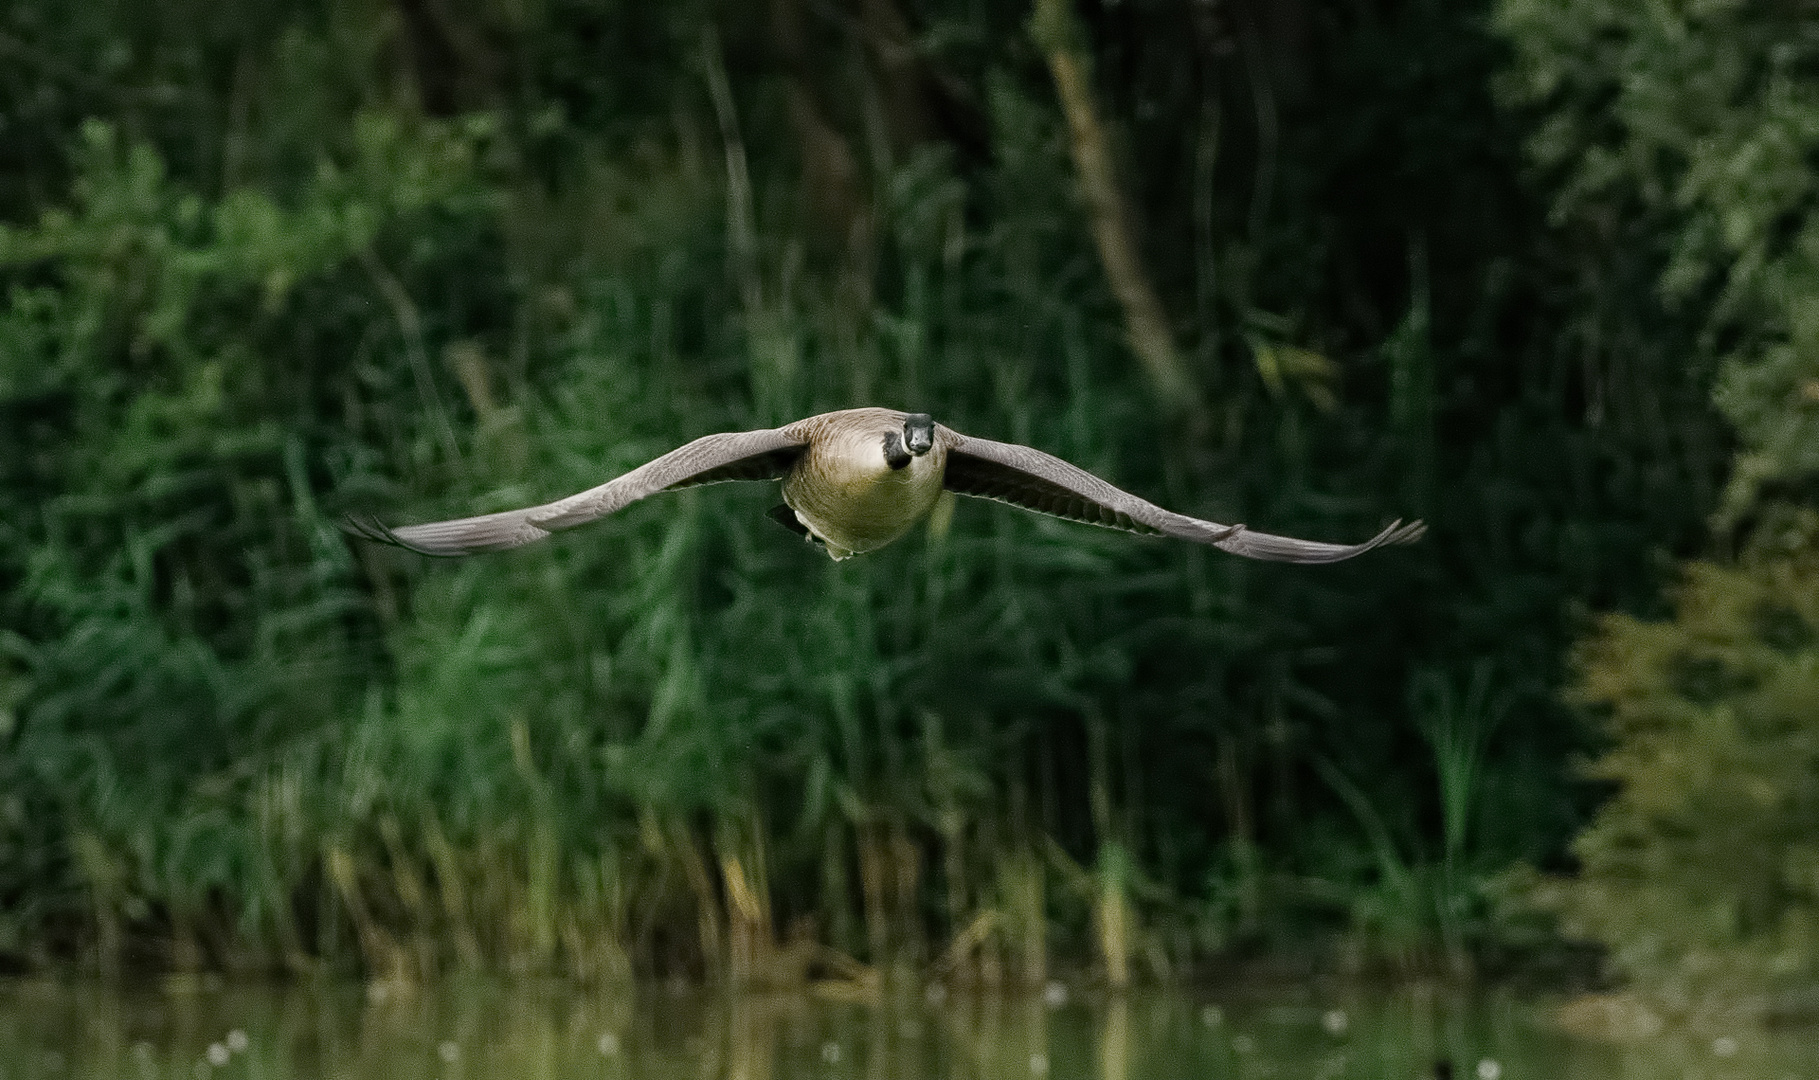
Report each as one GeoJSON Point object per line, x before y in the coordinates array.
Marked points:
{"type": "Point", "coordinates": [551, 1030]}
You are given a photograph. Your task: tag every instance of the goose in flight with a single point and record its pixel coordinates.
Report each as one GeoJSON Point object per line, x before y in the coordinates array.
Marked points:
{"type": "Point", "coordinates": [857, 479]}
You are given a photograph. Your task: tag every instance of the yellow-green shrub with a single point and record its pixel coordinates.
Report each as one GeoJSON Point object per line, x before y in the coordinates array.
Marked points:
{"type": "Point", "coordinates": [1702, 872]}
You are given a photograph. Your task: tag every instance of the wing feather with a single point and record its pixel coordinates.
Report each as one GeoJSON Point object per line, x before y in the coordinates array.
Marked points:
{"type": "Point", "coordinates": [1027, 477]}
{"type": "Point", "coordinates": [1273, 548]}
{"type": "Point", "coordinates": [744, 455]}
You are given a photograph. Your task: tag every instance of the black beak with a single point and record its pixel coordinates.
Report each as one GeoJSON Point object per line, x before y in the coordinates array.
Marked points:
{"type": "Point", "coordinates": [918, 433]}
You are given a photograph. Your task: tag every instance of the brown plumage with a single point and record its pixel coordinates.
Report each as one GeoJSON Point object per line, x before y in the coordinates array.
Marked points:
{"type": "Point", "coordinates": [857, 479]}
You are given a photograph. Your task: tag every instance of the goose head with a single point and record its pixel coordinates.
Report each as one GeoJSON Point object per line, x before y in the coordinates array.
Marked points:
{"type": "Point", "coordinates": [916, 439]}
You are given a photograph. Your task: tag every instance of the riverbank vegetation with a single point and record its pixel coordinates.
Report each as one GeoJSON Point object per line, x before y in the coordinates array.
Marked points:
{"type": "Point", "coordinates": [1306, 268]}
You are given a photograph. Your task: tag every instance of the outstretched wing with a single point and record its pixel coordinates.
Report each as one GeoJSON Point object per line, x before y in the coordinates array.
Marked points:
{"type": "Point", "coordinates": [1026, 477]}
{"type": "Point", "coordinates": [711, 459]}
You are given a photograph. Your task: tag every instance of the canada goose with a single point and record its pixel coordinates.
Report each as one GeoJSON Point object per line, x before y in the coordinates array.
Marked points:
{"type": "Point", "coordinates": [857, 479]}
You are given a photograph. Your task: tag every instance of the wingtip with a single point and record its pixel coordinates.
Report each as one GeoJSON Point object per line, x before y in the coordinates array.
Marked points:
{"type": "Point", "coordinates": [1398, 533]}
{"type": "Point", "coordinates": [368, 527]}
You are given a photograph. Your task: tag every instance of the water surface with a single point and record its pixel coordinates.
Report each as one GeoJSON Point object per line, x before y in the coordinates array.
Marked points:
{"type": "Point", "coordinates": [534, 1030]}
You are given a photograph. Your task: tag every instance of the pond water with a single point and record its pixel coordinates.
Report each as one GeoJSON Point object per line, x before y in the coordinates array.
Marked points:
{"type": "Point", "coordinates": [517, 1030]}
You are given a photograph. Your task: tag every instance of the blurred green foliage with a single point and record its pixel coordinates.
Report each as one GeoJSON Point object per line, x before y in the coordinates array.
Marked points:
{"type": "Point", "coordinates": [421, 259]}
{"type": "Point", "coordinates": [1687, 131]}
{"type": "Point", "coordinates": [1691, 128]}
{"type": "Point", "coordinates": [1700, 871]}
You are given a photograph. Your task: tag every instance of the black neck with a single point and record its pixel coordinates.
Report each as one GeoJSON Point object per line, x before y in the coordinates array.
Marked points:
{"type": "Point", "coordinates": [894, 453]}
